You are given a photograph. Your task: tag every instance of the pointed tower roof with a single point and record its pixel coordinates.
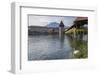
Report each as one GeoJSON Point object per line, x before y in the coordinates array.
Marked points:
{"type": "Point", "coordinates": [61, 24]}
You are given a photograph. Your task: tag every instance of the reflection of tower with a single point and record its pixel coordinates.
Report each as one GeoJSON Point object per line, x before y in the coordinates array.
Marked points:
{"type": "Point", "coordinates": [61, 29]}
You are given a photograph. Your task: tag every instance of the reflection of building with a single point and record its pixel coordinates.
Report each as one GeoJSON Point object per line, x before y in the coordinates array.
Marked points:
{"type": "Point", "coordinates": [61, 29]}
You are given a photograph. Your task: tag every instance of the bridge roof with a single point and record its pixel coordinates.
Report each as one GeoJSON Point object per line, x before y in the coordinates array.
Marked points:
{"type": "Point", "coordinates": [81, 18]}
{"type": "Point", "coordinates": [80, 21]}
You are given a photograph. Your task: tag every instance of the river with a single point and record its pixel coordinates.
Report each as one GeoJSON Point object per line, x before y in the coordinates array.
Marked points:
{"type": "Point", "coordinates": [49, 47]}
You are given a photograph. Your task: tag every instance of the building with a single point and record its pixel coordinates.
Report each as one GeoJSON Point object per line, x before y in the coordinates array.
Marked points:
{"type": "Point", "coordinates": [38, 30]}
{"type": "Point", "coordinates": [61, 29]}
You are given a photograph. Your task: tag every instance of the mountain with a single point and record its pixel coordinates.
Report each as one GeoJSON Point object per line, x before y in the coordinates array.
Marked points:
{"type": "Point", "coordinates": [53, 24]}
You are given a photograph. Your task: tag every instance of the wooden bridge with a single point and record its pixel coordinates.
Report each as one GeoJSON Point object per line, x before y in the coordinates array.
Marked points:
{"type": "Point", "coordinates": [78, 23]}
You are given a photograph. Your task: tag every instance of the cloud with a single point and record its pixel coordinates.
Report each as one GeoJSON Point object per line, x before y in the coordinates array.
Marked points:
{"type": "Point", "coordinates": [36, 20]}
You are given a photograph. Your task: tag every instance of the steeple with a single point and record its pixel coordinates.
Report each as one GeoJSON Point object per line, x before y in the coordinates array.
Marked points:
{"type": "Point", "coordinates": [61, 24]}
{"type": "Point", "coordinates": [61, 29]}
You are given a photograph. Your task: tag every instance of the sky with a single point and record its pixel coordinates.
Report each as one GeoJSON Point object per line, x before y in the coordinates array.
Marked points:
{"type": "Point", "coordinates": [39, 20]}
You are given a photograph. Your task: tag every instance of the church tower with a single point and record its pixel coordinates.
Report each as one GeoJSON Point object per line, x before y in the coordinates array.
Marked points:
{"type": "Point", "coordinates": [61, 29]}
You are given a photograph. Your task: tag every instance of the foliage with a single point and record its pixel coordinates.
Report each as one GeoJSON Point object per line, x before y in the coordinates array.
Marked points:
{"type": "Point", "coordinates": [83, 51]}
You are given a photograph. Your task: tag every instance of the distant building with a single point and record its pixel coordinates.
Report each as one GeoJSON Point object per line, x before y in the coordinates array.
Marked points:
{"type": "Point", "coordinates": [35, 30]}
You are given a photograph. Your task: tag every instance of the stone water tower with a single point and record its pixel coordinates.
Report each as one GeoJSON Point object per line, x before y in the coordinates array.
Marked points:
{"type": "Point", "coordinates": [61, 29]}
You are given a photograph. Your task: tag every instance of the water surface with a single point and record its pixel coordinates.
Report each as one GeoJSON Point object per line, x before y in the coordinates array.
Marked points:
{"type": "Point", "coordinates": [48, 47]}
{"type": "Point", "coordinates": [51, 47]}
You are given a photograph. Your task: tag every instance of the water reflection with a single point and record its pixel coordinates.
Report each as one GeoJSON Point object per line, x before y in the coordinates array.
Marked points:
{"type": "Point", "coordinates": [48, 47]}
